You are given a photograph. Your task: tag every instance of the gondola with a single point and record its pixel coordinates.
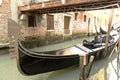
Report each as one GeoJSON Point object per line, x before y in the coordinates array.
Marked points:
{"type": "Point", "coordinates": [102, 31]}
{"type": "Point", "coordinates": [32, 63]}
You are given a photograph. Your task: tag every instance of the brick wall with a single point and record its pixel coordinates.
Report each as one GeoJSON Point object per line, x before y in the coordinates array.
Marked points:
{"type": "Point", "coordinates": [5, 13]}
{"type": "Point", "coordinates": [33, 31]}
{"type": "Point", "coordinates": [54, 3]}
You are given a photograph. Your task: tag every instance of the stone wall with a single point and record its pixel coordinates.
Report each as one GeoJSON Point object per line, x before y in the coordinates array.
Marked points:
{"type": "Point", "coordinates": [5, 13]}
{"type": "Point", "coordinates": [39, 30]}
{"type": "Point", "coordinates": [75, 26]}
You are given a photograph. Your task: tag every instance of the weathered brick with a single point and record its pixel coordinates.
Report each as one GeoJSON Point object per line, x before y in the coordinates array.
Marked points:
{"type": "Point", "coordinates": [5, 13]}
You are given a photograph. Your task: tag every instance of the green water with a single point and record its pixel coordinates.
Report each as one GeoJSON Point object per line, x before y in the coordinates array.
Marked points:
{"type": "Point", "coordinates": [9, 71]}
{"type": "Point", "coordinates": [101, 68]}
{"type": "Point", "coordinates": [62, 45]}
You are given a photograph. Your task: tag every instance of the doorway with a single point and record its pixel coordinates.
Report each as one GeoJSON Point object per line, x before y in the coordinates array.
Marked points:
{"type": "Point", "coordinates": [50, 22]}
{"type": "Point", "coordinates": [67, 25]}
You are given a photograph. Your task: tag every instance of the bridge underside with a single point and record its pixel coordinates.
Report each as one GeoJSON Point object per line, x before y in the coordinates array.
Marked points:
{"type": "Point", "coordinates": [61, 8]}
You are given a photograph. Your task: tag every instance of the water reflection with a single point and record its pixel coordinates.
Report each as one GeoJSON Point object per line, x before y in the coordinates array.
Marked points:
{"type": "Point", "coordinates": [61, 45]}
{"type": "Point", "coordinates": [71, 73]}
{"type": "Point", "coordinates": [52, 40]}
{"type": "Point", "coordinates": [101, 70]}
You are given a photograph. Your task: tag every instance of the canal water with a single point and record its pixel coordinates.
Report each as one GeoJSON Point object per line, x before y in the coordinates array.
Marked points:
{"type": "Point", "coordinates": [104, 69]}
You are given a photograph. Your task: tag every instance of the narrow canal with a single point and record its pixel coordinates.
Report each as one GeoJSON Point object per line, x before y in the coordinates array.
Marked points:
{"type": "Point", "coordinates": [104, 69]}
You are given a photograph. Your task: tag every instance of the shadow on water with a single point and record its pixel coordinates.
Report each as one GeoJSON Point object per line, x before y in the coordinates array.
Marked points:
{"type": "Point", "coordinates": [4, 50]}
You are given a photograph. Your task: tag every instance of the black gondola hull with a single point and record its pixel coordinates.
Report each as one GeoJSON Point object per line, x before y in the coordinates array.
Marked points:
{"type": "Point", "coordinates": [32, 65]}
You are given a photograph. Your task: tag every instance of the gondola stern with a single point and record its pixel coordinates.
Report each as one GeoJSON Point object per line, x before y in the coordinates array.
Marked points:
{"type": "Point", "coordinates": [20, 69]}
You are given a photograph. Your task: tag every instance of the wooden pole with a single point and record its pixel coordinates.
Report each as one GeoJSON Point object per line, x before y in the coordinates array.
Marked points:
{"type": "Point", "coordinates": [82, 64]}
{"type": "Point", "coordinates": [118, 62]}
{"type": "Point", "coordinates": [82, 68]}
{"type": "Point", "coordinates": [84, 73]}
{"type": "Point", "coordinates": [108, 33]}
{"type": "Point", "coordinates": [90, 65]}
{"type": "Point", "coordinates": [116, 45]}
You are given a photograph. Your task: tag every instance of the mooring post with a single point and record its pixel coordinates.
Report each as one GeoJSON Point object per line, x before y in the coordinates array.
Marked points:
{"type": "Point", "coordinates": [90, 65]}
{"type": "Point", "coordinates": [118, 61]}
{"type": "Point", "coordinates": [117, 44]}
{"type": "Point", "coordinates": [82, 63]}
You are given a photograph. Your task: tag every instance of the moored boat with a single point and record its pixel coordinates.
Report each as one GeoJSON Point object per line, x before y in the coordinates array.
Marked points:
{"type": "Point", "coordinates": [102, 31]}
{"type": "Point", "coordinates": [31, 62]}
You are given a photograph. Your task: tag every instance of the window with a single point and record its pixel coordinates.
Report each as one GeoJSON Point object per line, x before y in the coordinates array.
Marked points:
{"type": "Point", "coordinates": [76, 15]}
{"type": "Point", "coordinates": [85, 18]}
{"type": "Point", "coordinates": [31, 21]}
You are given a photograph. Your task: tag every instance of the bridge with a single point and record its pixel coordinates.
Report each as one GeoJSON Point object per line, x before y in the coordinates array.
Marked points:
{"type": "Point", "coordinates": [61, 6]}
